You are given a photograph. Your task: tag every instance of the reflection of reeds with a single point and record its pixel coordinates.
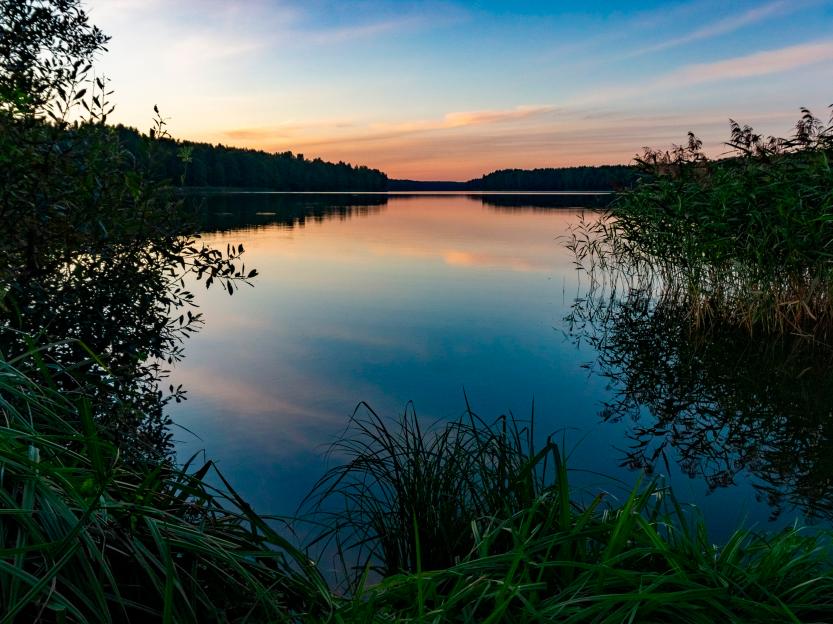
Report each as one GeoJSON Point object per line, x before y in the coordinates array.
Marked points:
{"type": "Point", "coordinates": [747, 240]}
{"type": "Point", "coordinates": [715, 400]}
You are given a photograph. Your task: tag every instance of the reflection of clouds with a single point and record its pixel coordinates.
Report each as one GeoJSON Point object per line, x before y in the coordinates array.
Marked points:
{"type": "Point", "coordinates": [230, 321]}
{"type": "Point", "coordinates": [468, 259]}
{"type": "Point", "coordinates": [238, 397]}
{"type": "Point", "coordinates": [252, 416]}
{"type": "Point", "coordinates": [416, 234]}
{"type": "Point", "coordinates": [353, 310]}
{"type": "Point", "coordinates": [473, 259]}
{"type": "Point", "coordinates": [368, 339]}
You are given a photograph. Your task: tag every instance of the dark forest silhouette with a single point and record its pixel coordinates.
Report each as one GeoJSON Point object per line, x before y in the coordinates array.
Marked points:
{"type": "Point", "coordinates": [232, 167]}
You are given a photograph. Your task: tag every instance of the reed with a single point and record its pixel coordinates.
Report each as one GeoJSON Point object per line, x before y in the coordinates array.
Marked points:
{"type": "Point", "coordinates": [746, 239]}
{"type": "Point", "coordinates": [407, 495]}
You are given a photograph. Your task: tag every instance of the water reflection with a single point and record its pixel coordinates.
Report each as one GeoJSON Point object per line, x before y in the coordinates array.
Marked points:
{"type": "Point", "coordinates": [232, 211]}
{"type": "Point", "coordinates": [720, 403]}
{"type": "Point", "coordinates": [224, 212]}
{"type": "Point", "coordinates": [545, 201]}
{"type": "Point", "coordinates": [419, 300]}
{"type": "Point", "coordinates": [426, 296]}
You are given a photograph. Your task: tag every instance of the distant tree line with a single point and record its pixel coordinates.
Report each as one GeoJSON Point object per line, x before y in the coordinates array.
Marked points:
{"type": "Point", "coordinates": [204, 165]}
{"type": "Point", "coordinates": [603, 178]}
{"type": "Point", "coordinates": [200, 165]}
{"type": "Point", "coordinates": [426, 185]}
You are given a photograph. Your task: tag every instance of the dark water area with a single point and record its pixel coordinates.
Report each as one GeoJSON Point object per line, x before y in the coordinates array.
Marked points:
{"type": "Point", "coordinates": [396, 298]}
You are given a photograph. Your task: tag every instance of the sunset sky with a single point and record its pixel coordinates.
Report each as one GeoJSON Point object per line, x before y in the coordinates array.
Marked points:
{"type": "Point", "coordinates": [451, 90]}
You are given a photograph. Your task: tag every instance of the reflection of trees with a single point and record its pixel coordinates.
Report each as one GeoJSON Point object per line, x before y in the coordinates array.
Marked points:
{"type": "Point", "coordinates": [103, 324]}
{"type": "Point", "coordinates": [224, 212]}
{"type": "Point", "coordinates": [543, 202]}
{"type": "Point", "coordinates": [723, 401]}
{"type": "Point", "coordinates": [92, 261]}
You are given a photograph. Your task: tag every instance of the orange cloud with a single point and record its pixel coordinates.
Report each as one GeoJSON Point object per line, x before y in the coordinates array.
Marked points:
{"type": "Point", "coordinates": [465, 118]}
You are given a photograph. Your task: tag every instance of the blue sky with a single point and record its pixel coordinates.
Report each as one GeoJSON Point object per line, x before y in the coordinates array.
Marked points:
{"type": "Point", "coordinates": [450, 90]}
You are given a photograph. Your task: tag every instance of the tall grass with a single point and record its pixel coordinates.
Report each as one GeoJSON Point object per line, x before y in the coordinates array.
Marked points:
{"type": "Point", "coordinates": [746, 240]}
{"type": "Point", "coordinates": [485, 528]}
{"type": "Point", "coordinates": [410, 497]}
{"type": "Point", "coordinates": [463, 522]}
{"type": "Point", "coordinates": [632, 563]}
{"type": "Point", "coordinates": [84, 538]}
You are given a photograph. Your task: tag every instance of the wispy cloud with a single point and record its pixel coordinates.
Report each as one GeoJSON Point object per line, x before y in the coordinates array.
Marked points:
{"type": "Point", "coordinates": [367, 21]}
{"type": "Point", "coordinates": [368, 30]}
{"type": "Point", "coordinates": [119, 9]}
{"type": "Point", "coordinates": [289, 130]}
{"type": "Point", "coordinates": [750, 65]}
{"type": "Point", "coordinates": [463, 119]}
{"type": "Point", "coordinates": [199, 48]}
{"type": "Point", "coordinates": [724, 26]}
{"type": "Point", "coordinates": [331, 133]}
{"type": "Point", "coordinates": [753, 65]}
{"type": "Point", "coordinates": [472, 118]}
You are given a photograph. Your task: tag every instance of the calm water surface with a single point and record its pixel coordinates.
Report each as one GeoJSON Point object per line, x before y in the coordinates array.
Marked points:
{"type": "Point", "coordinates": [396, 299]}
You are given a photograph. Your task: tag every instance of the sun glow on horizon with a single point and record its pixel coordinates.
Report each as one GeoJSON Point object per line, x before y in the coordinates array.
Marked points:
{"type": "Point", "coordinates": [452, 90]}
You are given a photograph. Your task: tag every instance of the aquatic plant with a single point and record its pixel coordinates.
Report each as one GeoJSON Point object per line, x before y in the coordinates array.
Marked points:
{"type": "Point", "coordinates": [746, 239]}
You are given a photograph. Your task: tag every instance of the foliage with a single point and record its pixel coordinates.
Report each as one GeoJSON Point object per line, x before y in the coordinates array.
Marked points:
{"type": "Point", "coordinates": [44, 44]}
{"type": "Point", "coordinates": [87, 538]}
{"type": "Point", "coordinates": [603, 178]}
{"type": "Point", "coordinates": [91, 249]}
{"type": "Point", "coordinates": [485, 528]}
{"type": "Point", "coordinates": [408, 497]}
{"type": "Point", "coordinates": [745, 239]}
{"type": "Point", "coordinates": [628, 564]}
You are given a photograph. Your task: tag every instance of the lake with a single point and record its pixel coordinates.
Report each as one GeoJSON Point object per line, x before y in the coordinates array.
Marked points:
{"type": "Point", "coordinates": [388, 299]}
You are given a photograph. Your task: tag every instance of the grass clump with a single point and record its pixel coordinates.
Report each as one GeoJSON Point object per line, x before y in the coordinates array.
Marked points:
{"type": "Point", "coordinates": [410, 497]}
{"type": "Point", "coordinates": [470, 522]}
{"type": "Point", "coordinates": [746, 239]}
{"type": "Point", "coordinates": [464, 522]}
{"type": "Point", "coordinates": [85, 537]}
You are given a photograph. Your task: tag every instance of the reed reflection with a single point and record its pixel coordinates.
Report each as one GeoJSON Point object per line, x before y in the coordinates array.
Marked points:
{"type": "Point", "coordinates": [715, 400]}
